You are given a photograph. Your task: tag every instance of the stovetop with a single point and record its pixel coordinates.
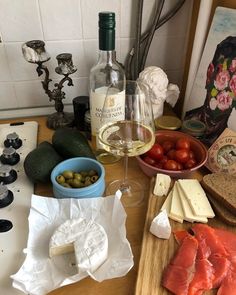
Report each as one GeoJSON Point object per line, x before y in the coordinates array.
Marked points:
{"type": "Point", "coordinates": [14, 241]}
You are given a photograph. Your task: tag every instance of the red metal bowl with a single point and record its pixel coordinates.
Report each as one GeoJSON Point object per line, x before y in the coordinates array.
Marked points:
{"type": "Point", "coordinates": [197, 147]}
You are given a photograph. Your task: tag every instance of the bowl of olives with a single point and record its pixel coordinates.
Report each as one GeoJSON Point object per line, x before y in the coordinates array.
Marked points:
{"type": "Point", "coordinates": [78, 177]}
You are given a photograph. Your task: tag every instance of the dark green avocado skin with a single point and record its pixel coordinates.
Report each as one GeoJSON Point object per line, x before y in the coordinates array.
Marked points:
{"type": "Point", "coordinates": [70, 143]}
{"type": "Point", "coordinates": [38, 164]}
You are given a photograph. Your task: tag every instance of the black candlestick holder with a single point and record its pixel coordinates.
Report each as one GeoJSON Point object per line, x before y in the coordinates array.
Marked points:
{"type": "Point", "coordinates": [34, 52]}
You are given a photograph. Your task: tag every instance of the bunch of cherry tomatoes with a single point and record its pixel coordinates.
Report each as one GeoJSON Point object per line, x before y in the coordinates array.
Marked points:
{"type": "Point", "coordinates": [170, 155]}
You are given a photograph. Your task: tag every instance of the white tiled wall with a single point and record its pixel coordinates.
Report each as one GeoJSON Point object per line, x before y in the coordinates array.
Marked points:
{"type": "Point", "coordinates": [71, 26]}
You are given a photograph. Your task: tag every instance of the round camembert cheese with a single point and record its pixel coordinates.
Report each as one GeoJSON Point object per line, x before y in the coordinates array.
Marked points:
{"type": "Point", "coordinates": [87, 239]}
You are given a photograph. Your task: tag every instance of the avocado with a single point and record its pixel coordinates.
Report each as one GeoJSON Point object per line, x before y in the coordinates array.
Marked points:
{"type": "Point", "coordinates": [39, 163]}
{"type": "Point", "coordinates": [70, 143]}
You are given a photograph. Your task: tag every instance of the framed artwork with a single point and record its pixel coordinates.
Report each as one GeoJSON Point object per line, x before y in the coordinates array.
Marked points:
{"type": "Point", "coordinates": [213, 96]}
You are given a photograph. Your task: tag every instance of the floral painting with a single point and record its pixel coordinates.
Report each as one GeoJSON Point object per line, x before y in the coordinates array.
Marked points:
{"type": "Point", "coordinates": [213, 97]}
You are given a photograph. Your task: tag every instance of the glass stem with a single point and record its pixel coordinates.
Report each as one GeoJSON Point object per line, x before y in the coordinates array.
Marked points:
{"type": "Point", "coordinates": [125, 179]}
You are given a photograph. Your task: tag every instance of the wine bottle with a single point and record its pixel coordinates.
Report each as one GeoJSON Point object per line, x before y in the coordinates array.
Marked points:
{"type": "Point", "coordinates": [107, 77]}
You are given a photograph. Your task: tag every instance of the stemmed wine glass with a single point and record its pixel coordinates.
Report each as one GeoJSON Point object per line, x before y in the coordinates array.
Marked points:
{"type": "Point", "coordinates": [127, 130]}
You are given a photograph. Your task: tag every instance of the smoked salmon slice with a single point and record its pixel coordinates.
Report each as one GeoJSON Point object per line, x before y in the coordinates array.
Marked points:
{"type": "Point", "coordinates": [180, 271]}
{"type": "Point", "coordinates": [204, 272]}
{"type": "Point", "coordinates": [204, 260]}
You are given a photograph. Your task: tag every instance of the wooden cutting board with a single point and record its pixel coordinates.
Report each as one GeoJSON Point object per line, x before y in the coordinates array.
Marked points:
{"type": "Point", "coordinates": [156, 253]}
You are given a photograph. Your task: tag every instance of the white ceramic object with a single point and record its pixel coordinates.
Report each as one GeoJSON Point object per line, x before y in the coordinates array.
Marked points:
{"type": "Point", "coordinates": [14, 241]}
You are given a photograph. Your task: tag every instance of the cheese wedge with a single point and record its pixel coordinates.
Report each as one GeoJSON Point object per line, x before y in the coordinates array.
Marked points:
{"type": "Point", "coordinates": [162, 184]}
{"type": "Point", "coordinates": [176, 209]}
{"type": "Point", "coordinates": [196, 197]}
{"type": "Point", "coordinates": [160, 226]}
{"type": "Point", "coordinates": [167, 206]}
{"type": "Point", "coordinates": [188, 212]}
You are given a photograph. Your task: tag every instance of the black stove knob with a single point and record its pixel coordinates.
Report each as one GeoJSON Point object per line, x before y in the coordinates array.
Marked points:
{"type": "Point", "coordinates": [6, 196]}
{"type": "Point", "coordinates": [10, 156]}
{"type": "Point", "coordinates": [5, 225]}
{"type": "Point", "coordinates": [13, 140]}
{"type": "Point", "coordinates": [7, 174]}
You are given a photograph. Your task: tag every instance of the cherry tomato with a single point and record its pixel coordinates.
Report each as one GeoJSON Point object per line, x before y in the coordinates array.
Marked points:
{"type": "Point", "coordinates": [191, 155]}
{"type": "Point", "coordinates": [182, 143]}
{"type": "Point", "coordinates": [171, 154]}
{"type": "Point", "coordinates": [171, 165]}
{"type": "Point", "coordinates": [190, 164]}
{"type": "Point", "coordinates": [156, 152]}
{"type": "Point", "coordinates": [163, 160]}
{"type": "Point", "coordinates": [149, 160]}
{"type": "Point", "coordinates": [167, 145]}
{"type": "Point", "coordinates": [180, 166]}
{"type": "Point", "coordinates": [158, 165]}
{"type": "Point", "coordinates": [182, 156]}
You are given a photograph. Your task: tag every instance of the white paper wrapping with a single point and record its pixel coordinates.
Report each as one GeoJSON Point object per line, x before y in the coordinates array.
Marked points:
{"type": "Point", "coordinates": [40, 274]}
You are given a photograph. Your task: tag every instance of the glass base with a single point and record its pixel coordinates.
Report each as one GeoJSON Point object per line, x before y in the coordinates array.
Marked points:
{"type": "Point", "coordinates": [105, 157]}
{"type": "Point", "coordinates": [132, 192]}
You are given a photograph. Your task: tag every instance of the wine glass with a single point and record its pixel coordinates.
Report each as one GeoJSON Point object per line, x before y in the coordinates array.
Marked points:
{"type": "Point", "coordinates": [127, 129]}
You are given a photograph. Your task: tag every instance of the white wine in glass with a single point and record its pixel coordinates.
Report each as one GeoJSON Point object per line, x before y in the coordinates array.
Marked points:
{"type": "Point", "coordinates": [131, 134]}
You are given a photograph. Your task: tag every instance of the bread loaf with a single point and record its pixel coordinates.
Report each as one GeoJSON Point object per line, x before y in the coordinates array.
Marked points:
{"type": "Point", "coordinates": [222, 212]}
{"type": "Point", "coordinates": [222, 188]}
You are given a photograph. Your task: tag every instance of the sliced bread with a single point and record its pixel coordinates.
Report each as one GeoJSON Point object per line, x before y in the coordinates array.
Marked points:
{"type": "Point", "coordinates": [221, 187]}
{"type": "Point", "coordinates": [222, 212]}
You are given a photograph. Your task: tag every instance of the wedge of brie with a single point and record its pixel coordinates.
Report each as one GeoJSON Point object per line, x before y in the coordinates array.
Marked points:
{"type": "Point", "coordinates": [87, 239]}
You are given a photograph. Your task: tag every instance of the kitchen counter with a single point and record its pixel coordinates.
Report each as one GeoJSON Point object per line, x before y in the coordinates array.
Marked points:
{"type": "Point", "coordinates": [134, 224]}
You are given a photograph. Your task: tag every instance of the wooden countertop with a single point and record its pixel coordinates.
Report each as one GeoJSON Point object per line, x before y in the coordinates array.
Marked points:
{"type": "Point", "coordinates": [134, 225]}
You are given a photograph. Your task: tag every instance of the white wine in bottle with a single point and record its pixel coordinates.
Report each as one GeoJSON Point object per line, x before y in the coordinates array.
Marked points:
{"type": "Point", "coordinates": [107, 77]}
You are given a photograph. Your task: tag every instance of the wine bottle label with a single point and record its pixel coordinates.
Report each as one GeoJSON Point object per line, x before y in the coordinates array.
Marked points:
{"type": "Point", "coordinates": [114, 110]}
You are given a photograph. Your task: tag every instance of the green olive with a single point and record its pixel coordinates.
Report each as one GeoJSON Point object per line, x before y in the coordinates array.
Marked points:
{"type": "Point", "coordinates": [77, 183]}
{"type": "Point", "coordinates": [60, 179]}
{"type": "Point", "coordinates": [94, 178]}
{"type": "Point", "coordinates": [68, 174]}
{"type": "Point", "coordinates": [77, 176]}
{"type": "Point", "coordinates": [87, 182]}
{"type": "Point", "coordinates": [84, 173]}
{"type": "Point", "coordinates": [65, 184]}
{"type": "Point", "coordinates": [70, 181]}
{"type": "Point", "coordinates": [92, 172]}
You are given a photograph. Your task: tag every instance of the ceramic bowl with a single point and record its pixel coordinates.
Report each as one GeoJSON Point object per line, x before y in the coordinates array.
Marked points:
{"type": "Point", "coordinates": [196, 146]}
{"type": "Point", "coordinates": [79, 164]}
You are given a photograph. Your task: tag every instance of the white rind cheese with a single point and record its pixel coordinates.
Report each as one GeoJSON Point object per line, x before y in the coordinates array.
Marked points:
{"type": "Point", "coordinates": [87, 239]}
{"type": "Point", "coordinates": [162, 185]}
{"type": "Point", "coordinates": [160, 226]}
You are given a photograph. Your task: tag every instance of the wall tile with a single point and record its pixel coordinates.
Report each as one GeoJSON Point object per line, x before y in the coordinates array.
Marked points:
{"type": "Point", "coordinates": [126, 45]}
{"type": "Point", "coordinates": [75, 48]}
{"type": "Point", "coordinates": [7, 96]}
{"type": "Point", "coordinates": [80, 88]}
{"type": "Point", "coordinates": [91, 54]}
{"type": "Point", "coordinates": [90, 10]}
{"type": "Point", "coordinates": [61, 19]}
{"type": "Point", "coordinates": [74, 28]}
{"type": "Point", "coordinates": [19, 20]}
{"type": "Point", "coordinates": [128, 16]}
{"type": "Point", "coordinates": [20, 69]}
{"type": "Point", "coordinates": [31, 94]}
{"type": "Point", "coordinates": [4, 67]}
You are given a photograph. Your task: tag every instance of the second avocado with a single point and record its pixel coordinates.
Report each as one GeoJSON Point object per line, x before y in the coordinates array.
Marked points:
{"type": "Point", "coordinates": [71, 143]}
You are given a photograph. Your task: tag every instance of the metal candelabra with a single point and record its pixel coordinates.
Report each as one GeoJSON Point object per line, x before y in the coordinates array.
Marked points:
{"type": "Point", "coordinates": [34, 52]}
